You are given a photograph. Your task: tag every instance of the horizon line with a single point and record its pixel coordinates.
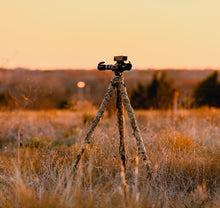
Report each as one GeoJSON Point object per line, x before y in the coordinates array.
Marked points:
{"type": "Point", "coordinates": [87, 69]}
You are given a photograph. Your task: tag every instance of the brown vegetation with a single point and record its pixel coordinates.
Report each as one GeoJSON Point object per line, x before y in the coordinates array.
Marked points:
{"type": "Point", "coordinates": [184, 155]}
{"type": "Point", "coordinates": [37, 89]}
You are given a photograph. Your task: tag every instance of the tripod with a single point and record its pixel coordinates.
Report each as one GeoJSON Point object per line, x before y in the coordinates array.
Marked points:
{"type": "Point", "coordinates": [117, 83]}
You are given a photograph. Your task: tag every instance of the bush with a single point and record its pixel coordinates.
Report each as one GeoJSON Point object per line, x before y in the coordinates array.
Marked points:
{"type": "Point", "coordinates": [6, 99]}
{"type": "Point", "coordinates": [139, 97]}
{"type": "Point", "coordinates": [157, 95]}
{"type": "Point", "coordinates": [207, 92]}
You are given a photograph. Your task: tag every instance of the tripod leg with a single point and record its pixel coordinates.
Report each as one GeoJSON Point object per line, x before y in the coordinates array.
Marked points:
{"type": "Point", "coordinates": [120, 115]}
{"type": "Point", "coordinates": [99, 114]}
{"type": "Point", "coordinates": [136, 131]}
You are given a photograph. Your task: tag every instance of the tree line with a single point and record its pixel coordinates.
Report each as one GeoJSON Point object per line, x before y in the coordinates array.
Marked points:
{"type": "Point", "coordinates": [160, 92]}
{"type": "Point", "coordinates": [157, 94]}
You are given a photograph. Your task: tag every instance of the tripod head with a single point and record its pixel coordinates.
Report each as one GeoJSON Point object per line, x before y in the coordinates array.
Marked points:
{"type": "Point", "coordinates": [118, 67]}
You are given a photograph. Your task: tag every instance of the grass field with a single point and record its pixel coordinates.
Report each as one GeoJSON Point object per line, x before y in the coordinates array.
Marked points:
{"type": "Point", "coordinates": [184, 155]}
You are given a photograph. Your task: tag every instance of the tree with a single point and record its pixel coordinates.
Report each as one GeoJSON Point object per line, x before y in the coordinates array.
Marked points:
{"type": "Point", "coordinates": [157, 95]}
{"type": "Point", "coordinates": [165, 92]}
{"type": "Point", "coordinates": [152, 92]}
{"type": "Point", "coordinates": [207, 92]}
{"type": "Point", "coordinates": [139, 97]}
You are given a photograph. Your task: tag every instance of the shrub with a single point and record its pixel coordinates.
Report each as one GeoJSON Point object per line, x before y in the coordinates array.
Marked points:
{"type": "Point", "coordinates": [207, 92]}
{"type": "Point", "coordinates": [6, 99]}
{"type": "Point", "coordinates": [158, 94]}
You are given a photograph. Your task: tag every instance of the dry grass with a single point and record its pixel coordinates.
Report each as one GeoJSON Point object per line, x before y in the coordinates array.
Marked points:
{"type": "Point", "coordinates": [185, 157]}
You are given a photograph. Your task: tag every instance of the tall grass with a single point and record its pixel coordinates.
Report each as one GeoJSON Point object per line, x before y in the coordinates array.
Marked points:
{"type": "Point", "coordinates": [185, 158]}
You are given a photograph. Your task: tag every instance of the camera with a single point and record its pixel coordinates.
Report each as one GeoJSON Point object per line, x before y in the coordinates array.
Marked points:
{"type": "Point", "coordinates": [118, 67]}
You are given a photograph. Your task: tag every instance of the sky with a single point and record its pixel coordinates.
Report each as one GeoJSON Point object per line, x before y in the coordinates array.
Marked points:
{"type": "Point", "coordinates": [78, 34]}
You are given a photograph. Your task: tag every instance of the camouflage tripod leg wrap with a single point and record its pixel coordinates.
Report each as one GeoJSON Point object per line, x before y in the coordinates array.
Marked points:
{"type": "Point", "coordinates": [96, 120]}
{"type": "Point", "coordinates": [136, 131]}
{"type": "Point", "coordinates": [120, 115]}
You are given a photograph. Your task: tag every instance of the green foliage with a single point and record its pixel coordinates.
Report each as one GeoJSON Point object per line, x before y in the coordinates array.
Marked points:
{"type": "Point", "coordinates": [158, 94]}
{"type": "Point", "coordinates": [207, 92]}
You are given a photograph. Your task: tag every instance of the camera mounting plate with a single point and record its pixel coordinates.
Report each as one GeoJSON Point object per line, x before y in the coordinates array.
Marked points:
{"type": "Point", "coordinates": [120, 58]}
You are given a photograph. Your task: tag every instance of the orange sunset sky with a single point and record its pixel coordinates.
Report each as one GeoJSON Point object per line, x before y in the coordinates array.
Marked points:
{"type": "Point", "coordinates": [80, 33]}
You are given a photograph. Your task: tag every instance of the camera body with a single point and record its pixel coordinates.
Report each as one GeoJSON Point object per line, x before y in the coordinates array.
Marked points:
{"type": "Point", "coordinates": [118, 67]}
